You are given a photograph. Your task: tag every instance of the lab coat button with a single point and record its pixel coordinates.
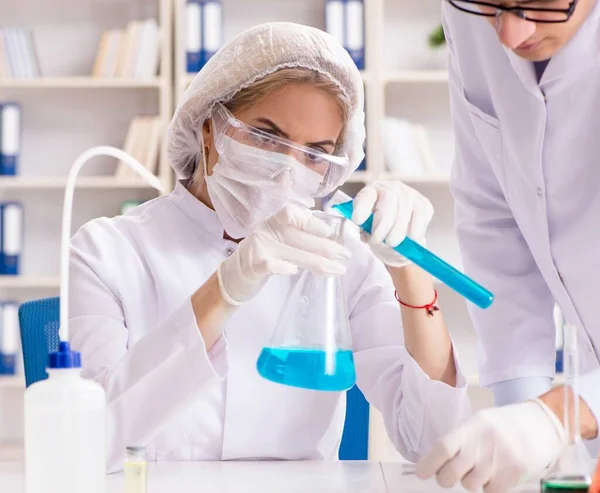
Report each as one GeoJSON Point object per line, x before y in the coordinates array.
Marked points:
{"type": "Point", "coordinates": [540, 192]}
{"type": "Point", "coordinates": [229, 252]}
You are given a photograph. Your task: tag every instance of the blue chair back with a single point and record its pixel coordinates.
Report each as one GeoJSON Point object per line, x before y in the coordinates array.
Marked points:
{"type": "Point", "coordinates": [355, 439]}
{"type": "Point", "coordinates": [39, 322]}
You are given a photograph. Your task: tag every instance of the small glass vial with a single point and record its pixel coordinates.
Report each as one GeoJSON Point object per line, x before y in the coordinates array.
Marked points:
{"type": "Point", "coordinates": [135, 470]}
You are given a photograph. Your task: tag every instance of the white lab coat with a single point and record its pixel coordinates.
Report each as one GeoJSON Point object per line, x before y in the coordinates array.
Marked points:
{"type": "Point", "coordinates": [132, 320]}
{"type": "Point", "coordinates": [525, 180]}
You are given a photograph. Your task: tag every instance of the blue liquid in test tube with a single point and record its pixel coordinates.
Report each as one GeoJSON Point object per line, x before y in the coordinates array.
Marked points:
{"type": "Point", "coordinates": [438, 268]}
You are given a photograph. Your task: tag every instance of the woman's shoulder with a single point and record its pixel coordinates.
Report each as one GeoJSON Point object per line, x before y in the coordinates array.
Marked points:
{"type": "Point", "coordinates": [117, 233]}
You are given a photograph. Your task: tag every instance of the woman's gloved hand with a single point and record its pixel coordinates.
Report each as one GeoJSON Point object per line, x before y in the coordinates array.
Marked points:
{"type": "Point", "coordinates": [496, 448]}
{"type": "Point", "coordinates": [291, 239]}
{"type": "Point", "coordinates": [398, 211]}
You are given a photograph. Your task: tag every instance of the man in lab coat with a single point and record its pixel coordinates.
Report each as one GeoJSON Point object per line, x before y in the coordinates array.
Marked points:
{"type": "Point", "coordinates": [525, 101]}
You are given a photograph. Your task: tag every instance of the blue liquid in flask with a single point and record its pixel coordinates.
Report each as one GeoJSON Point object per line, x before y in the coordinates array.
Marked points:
{"type": "Point", "coordinates": [308, 368]}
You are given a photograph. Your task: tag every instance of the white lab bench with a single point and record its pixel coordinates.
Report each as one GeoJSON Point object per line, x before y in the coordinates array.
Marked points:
{"type": "Point", "coordinates": [263, 477]}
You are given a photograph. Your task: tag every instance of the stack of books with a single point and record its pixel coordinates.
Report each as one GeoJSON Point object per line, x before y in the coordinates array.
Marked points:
{"type": "Point", "coordinates": [133, 53]}
{"type": "Point", "coordinates": [143, 142]}
{"type": "Point", "coordinates": [18, 56]}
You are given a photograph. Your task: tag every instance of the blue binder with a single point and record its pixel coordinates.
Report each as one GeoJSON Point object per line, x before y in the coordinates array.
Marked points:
{"type": "Point", "coordinates": [193, 36]}
{"type": "Point", "coordinates": [355, 31]}
{"type": "Point", "coordinates": [9, 337]}
{"type": "Point", "coordinates": [11, 238]}
{"type": "Point", "coordinates": [10, 137]}
{"type": "Point", "coordinates": [344, 20]}
{"type": "Point", "coordinates": [212, 28]}
{"type": "Point", "coordinates": [335, 20]}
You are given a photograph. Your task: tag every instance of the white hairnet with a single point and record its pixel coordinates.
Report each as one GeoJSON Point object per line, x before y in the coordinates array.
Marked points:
{"type": "Point", "coordinates": [249, 57]}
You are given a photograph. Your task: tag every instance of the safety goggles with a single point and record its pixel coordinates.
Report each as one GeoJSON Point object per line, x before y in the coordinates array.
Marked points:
{"type": "Point", "coordinates": [330, 167]}
{"type": "Point", "coordinates": [533, 11]}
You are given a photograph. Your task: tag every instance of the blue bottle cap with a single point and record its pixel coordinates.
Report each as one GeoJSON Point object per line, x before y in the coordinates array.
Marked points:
{"type": "Point", "coordinates": [64, 357]}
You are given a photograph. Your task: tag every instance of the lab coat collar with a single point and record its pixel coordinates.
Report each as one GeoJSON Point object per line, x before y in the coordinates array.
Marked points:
{"type": "Point", "coordinates": [582, 52]}
{"type": "Point", "coordinates": [578, 54]}
{"type": "Point", "coordinates": [200, 214]}
{"type": "Point", "coordinates": [525, 71]}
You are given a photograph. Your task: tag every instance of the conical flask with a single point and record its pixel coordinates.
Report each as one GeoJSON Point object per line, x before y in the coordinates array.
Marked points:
{"type": "Point", "coordinates": [571, 472]}
{"type": "Point", "coordinates": [311, 347]}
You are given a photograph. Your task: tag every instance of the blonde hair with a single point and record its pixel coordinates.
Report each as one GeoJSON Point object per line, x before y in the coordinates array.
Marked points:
{"type": "Point", "coordinates": [273, 82]}
{"type": "Point", "coordinates": [284, 77]}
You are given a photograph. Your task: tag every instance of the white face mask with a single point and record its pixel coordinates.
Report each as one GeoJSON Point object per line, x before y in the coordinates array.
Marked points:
{"type": "Point", "coordinates": [248, 185]}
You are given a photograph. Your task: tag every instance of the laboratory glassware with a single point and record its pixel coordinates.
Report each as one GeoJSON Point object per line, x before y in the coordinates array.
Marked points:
{"type": "Point", "coordinates": [425, 259]}
{"type": "Point", "coordinates": [571, 472]}
{"type": "Point", "coordinates": [311, 346]}
{"type": "Point", "coordinates": [135, 470]}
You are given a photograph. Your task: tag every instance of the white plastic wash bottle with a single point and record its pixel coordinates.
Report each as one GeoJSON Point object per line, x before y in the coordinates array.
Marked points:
{"type": "Point", "coordinates": [65, 430]}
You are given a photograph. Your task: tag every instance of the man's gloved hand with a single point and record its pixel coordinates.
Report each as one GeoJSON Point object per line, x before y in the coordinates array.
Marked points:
{"type": "Point", "coordinates": [398, 211]}
{"type": "Point", "coordinates": [291, 239]}
{"type": "Point", "coordinates": [496, 448]}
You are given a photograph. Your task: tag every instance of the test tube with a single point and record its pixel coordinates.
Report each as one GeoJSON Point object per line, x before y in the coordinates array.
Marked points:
{"type": "Point", "coordinates": [135, 470]}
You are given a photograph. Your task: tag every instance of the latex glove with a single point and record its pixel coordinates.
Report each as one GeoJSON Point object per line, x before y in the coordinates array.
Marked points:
{"type": "Point", "coordinates": [291, 239]}
{"type": "Point", "coordinates": [496, 448]}
{"type": "Point", "coordinates": [398, 211]}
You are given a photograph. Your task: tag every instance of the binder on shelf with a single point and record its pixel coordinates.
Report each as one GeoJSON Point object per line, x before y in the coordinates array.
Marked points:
{"type": "Point", "coordinates": [334, 20]}
{"type": "Point", "coordinates": [9, 337]}
{"type": "Point", "coordinates": [344, 20]}
{"type": "Point", "coordinates": [10, 138]}
{"type": "Point", "coordinates": [355, 31]}
{"type": "Point", "coordinates": [11, 214]}
{"type": "Point", "coordinates": [212, 29]}
{"type": "Point", "coordinates": [203, 32]}
{"type": "Point", "coordinates": [363, 165]}
{"type": "Point", "coordinates": [193, 36]}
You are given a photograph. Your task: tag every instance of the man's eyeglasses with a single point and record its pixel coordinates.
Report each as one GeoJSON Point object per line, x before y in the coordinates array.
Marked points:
{"type": "Point", "coordinates": [534, 11]}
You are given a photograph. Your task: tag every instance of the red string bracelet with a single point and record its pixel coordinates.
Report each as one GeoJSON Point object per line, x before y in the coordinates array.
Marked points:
{"type": "Point", "coordinates": [430, 307]}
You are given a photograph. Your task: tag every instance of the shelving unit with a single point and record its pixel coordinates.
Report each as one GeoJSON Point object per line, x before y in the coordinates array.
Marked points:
{"type": "Point", "coordinates": [417, 76]}
{"type": "Point", "coordinates": [12, 382]}
{"type": "Point", "coordinates": [67, 111]}
{"type": "Point", "coordinates": [25, 282]}
{"type": "Point", "coordinates": [54, 182]}
{"type": "Point", "coordinates": [83, 83]}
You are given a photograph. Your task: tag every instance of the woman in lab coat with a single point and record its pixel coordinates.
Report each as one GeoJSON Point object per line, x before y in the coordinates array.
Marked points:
{"type": "Point", "coordinates": [170, 309]}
